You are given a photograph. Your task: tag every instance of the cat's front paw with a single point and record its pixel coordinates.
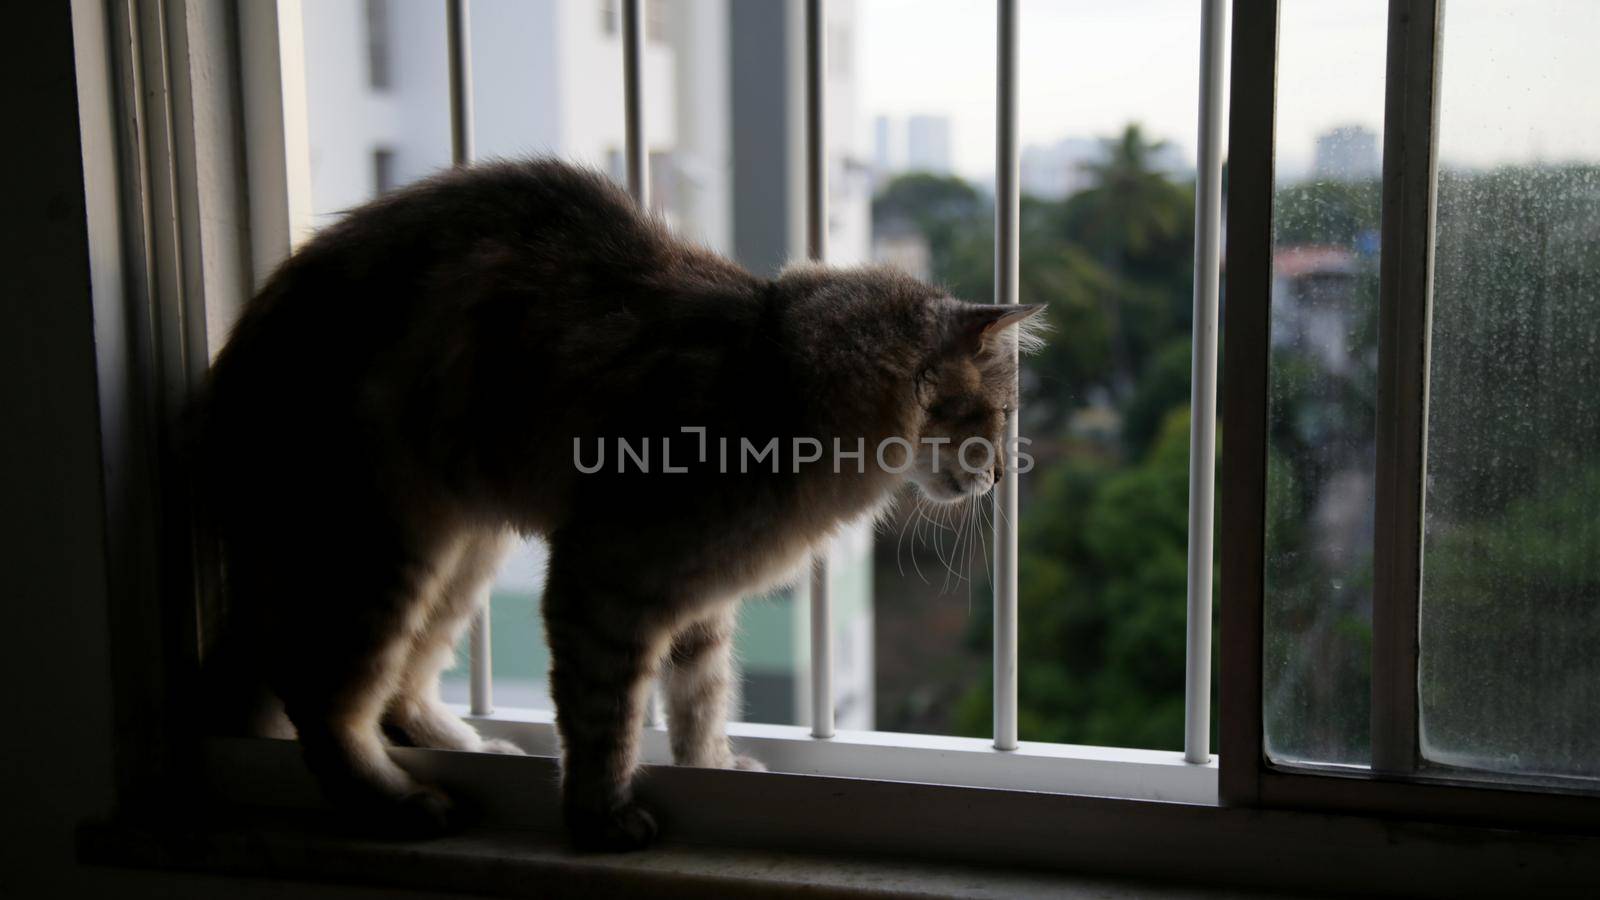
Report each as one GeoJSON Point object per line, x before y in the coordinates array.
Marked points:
{"type": "Point", "coordinates": [619, 830]}
{"type": "Point", "coordinates": [501, 746]}
{"type": "Point", "coordinates": [747, 763]}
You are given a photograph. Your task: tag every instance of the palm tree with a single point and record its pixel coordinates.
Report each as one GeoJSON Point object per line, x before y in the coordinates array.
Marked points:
{"type": "Point", "coordinates": [1131, 210]}
{"type": "Point", "coordinates": [1132, 205]}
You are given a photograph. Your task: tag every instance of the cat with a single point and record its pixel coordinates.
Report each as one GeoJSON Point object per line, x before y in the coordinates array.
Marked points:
{"type": "Point", "coordinates": [440, 369]}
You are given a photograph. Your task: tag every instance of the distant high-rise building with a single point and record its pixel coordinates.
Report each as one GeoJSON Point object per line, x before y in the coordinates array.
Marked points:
{"type": "Point", "coordinates": [1058, 170]}
{"type": "Point", "coordinates": [883, 155]}
{"type": "Point", "coordinates": [1347, 153]}
{"type": "Point", "coordinates": [1054, 171]}
{"type": "Point", "coordinates": [928, 144]}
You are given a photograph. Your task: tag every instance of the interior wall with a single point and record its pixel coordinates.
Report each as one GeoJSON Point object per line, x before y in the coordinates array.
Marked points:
{"type": "Point", "coordinates": [55, 755]}
{"type": "Point", "coordinates": [58, 247]}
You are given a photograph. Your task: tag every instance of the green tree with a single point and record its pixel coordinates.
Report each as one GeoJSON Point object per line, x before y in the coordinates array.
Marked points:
{"type": "Point", "coordinates": [1325, 212]}
{"type": "Point", "coordinates": [1102, 656]}
{"type": "Point", "coordinates": [944, 208]}
{"type": "Point", "coordinates": [1139, 225]}
{"type": "Point", "coordinates": [1132, 209]}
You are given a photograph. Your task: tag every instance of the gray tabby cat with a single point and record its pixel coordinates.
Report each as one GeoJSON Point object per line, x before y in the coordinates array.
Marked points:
{"type": "Point", "coordinates": [439, 369]}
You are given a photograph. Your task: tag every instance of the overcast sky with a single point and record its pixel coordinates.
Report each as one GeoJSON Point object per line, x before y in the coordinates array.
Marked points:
{"type": "Point", "coordinates": [1519, 79]}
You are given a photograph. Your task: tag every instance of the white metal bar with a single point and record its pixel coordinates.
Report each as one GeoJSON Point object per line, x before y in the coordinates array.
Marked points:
{"type": "Point", "coordinates": [481, 687]}
{"type": "Point", "coordinates": [1203, 381]}
{"type": "Point", "coordinates": [821, 650]}
{"type": "Point", "coordinates": [817, 250]}
{"type": "Point", "coordinates": [816, 131]}
{"type": "Point", "coordinates": [636, 160]}
{"type": "Point", "coordinates": [636, 148]}
{"type": "Point", "coordinates": [459, 36]}
{"type": "Point", "coordinates": [1007, 200]}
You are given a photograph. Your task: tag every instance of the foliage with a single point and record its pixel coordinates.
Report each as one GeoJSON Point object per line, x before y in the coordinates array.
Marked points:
{"type": "Point", "coordinates": [1104, 534]}
{"type": "Point", "coordinates": [1513, 542]}
{"type": "Point", "coordinates": [1325, 212]}
{"type": "Point", "coordinates": [1114, 263]}
{"type": "Point", "coordinates": [1103, 596]}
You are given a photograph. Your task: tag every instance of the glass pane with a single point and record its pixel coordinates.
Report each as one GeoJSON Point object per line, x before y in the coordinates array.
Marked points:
{"type": "Point", "coordinates": [1320, 465]}
{"type": "Point", "coordinates": [1510, 616]}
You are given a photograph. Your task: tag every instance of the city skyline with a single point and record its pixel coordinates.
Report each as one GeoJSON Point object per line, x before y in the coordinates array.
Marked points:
{"type": "Point", "coordinates": [1088, 69]}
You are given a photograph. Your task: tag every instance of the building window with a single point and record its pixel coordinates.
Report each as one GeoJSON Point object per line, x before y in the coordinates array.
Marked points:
{"type": "Point", "coordinates": [1509, 494]}
{"type": "Point", "coordinates": [663, 182]}
{"type": "Point", "coordinates": [655, 22]}
{"type": "Point", "coordinates": [841, 49]}
{"type": "Point", "coordinates": [379, 69]}
{"type": "Point", "coordinates": [383, 180]}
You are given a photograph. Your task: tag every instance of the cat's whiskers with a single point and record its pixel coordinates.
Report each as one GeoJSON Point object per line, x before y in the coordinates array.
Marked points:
{"type": "Point", "coordinates": [953, 514]}
{"type": "Point", "coordinates": [956, 513]}
{"type": "Point", "coordinates": [978, 543]}
{"type": "Point", "coordinates": [904, 525]}
{"type": "Point", "coordinates": [962, 540]}
{"type": "Point", "coordinates": [916, 538]}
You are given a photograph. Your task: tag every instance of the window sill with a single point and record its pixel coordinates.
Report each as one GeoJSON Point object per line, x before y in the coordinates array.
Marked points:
{"type": "Point", "coordinates": [1121, 773]}
{"type": "Point", "coordinates": [299, 847]}
{"type": "Point", "coordinates": [845, 823]}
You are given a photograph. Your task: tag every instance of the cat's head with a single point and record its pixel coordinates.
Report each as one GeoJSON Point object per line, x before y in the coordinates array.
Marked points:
{"type": "Point", "coordinates": [953, 366]}
{"type": "Point", "coordinates": [966, 387]}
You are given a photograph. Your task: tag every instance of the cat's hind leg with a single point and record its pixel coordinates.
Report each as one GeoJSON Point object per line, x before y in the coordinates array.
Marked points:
{"type": "Point", "coordinates": [701, 691]}
{"type": "Point", "coordinates": [416, 709]}
{"type": "Point", "coordinates": [339, 657]}
{"type": "Point", "coordinates": [344, 746]}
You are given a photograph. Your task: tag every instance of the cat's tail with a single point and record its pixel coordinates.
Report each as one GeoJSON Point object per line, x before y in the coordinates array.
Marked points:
{"type": "Point", "coordinates": [231, 696]}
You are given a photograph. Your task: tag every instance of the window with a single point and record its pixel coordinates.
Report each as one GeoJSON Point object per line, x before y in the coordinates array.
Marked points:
{"type": "Point", "coordinates": [814, 657]}
{"type": "Point", "coordinates": [379, 76]}
{"type": "Point", "coordinates": [614, 165]}
{"type": "Point", "coordinates": [1508, 680]}
{"type": "Point", "coordinates": [655, 21]}
{"type": "Point", "coordinates": [1331, 353]}
{"type": "Point", "coordinates": [1426, 508]}
{"type": "Point", "coordinates": [841, 51]}
{"type": "Point", "coordinates": [1321, 418]}
{"type": "Point", "coordinates": [383, 176]}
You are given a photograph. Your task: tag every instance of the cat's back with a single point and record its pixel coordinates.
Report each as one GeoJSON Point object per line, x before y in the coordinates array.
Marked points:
{"type": "Point", "coordinates": [542, 269]}
{"type": "Point", "coordinates": [538, 227]}
{"type": "Point", "coordinates": [538, 231]}
{"type": "Point", "coordinates": [461, 221]}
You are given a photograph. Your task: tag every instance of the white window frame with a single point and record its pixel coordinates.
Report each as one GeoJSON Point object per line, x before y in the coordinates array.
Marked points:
{"type": "Point", "coordinates": [1395, 784]}
{"type": "Point", "coordinates": [172, 68]}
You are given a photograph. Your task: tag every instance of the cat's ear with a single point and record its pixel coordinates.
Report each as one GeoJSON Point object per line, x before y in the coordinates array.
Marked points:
{"type": "Point", "coordinates": [979, 326]}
